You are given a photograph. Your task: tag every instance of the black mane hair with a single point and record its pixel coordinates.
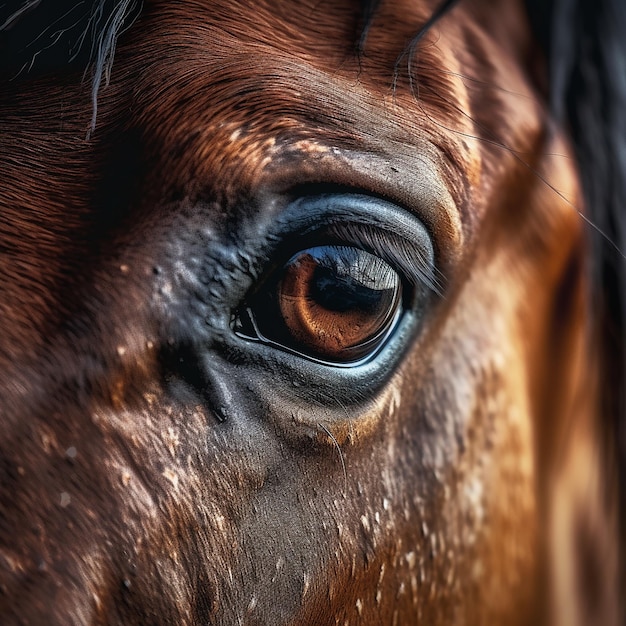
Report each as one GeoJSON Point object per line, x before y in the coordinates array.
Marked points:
{"type": "Point", "coordinates": [44, 36]}
{"type": "Point", "coordinates": [585, 47]}
{"type": "Point", "coordinates": [584, 43]}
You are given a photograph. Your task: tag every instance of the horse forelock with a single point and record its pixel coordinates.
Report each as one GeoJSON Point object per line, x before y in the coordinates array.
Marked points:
{"type": "Point", "coordinates": [39, 36]}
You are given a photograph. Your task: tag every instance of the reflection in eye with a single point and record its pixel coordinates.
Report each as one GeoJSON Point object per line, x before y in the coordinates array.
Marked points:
{"type": "Point", "coordinates": [332, 303]}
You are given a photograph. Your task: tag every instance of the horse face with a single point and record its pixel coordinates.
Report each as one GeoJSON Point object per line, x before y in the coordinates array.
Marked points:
{"type": "Point", "coordinates": [197, 427]}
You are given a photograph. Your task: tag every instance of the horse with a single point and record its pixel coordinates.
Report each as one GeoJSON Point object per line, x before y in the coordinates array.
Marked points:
{"type": "Point", "coordinates": [208, 415]}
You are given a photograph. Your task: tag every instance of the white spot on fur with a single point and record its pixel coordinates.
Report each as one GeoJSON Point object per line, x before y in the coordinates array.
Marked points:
{"type": "Point", "coordinates": [474, 495]}
{"type": "Point", "coordinates": [306, 145]}
{"type": "Point", "coordinates": [171, 440]}
{"type": "Point", "coordinates": [172, 476]}
{"type": "Point", "coordinates": [366, 523]}
{"type": "Point", "coordinates": [150, 398]}
{"type": "Point", "coordinates": [396, 397]}
{"type": "Point", "coordinates": [433, 544]}
{"type": "Point", "coordinates": [410, 559]}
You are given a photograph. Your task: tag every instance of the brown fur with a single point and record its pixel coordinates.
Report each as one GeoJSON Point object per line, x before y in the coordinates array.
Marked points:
{"type": "Point", "coordinates": [476, 489]}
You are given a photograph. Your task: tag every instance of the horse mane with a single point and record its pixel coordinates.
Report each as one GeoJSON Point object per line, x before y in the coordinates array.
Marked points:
{"type": "Point", "coordinates": [585, 49]}
{"type": "Point", "coordinates": [44, 36]}
{"type": "Point", "coordinates": [584, 45]}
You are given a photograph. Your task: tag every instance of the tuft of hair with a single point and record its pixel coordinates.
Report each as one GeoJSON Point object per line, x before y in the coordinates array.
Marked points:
{"type": "Point", "coordinates": [46, 36]}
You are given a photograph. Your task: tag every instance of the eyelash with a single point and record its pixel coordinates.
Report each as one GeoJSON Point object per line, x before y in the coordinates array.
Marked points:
{"type": "Point", "coordinates": [395, 250]}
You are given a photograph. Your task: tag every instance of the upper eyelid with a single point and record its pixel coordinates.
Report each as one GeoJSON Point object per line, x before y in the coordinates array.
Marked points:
{"type": "Point", "coordinates": [353, 210]}
{"type": "Point", "coordinates": [376, 225]}
{"type": "Point", "coordinates": [402, 255]}
{"type": "Point", "coordinates": [394, 249]}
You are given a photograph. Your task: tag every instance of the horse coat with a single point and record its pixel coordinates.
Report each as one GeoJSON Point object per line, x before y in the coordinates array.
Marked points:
{"type": "Point", "coordinates": [312, 313]}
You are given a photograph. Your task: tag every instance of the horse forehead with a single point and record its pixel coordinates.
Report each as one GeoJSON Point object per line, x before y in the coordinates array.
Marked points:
{"type": "Point", "coordinates": [240, 90]}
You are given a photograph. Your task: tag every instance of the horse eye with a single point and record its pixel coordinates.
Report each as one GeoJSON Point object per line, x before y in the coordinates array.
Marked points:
{"type": "Point", "coordinates": [336, 304]}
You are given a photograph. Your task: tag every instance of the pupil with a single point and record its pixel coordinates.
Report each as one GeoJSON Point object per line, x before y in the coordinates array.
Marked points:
{"type": "Point", "coordinates": [343, 293]}
{"type": "Point", "coordinates": [335, 303]}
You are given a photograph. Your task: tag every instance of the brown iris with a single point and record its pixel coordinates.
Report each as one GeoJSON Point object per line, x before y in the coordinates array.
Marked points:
{"type": "Point", "coordinates": [334, 303]}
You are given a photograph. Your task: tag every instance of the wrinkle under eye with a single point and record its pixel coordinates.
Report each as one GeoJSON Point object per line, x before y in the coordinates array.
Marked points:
{"type": "Point", "coordinates": [335, 303]}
